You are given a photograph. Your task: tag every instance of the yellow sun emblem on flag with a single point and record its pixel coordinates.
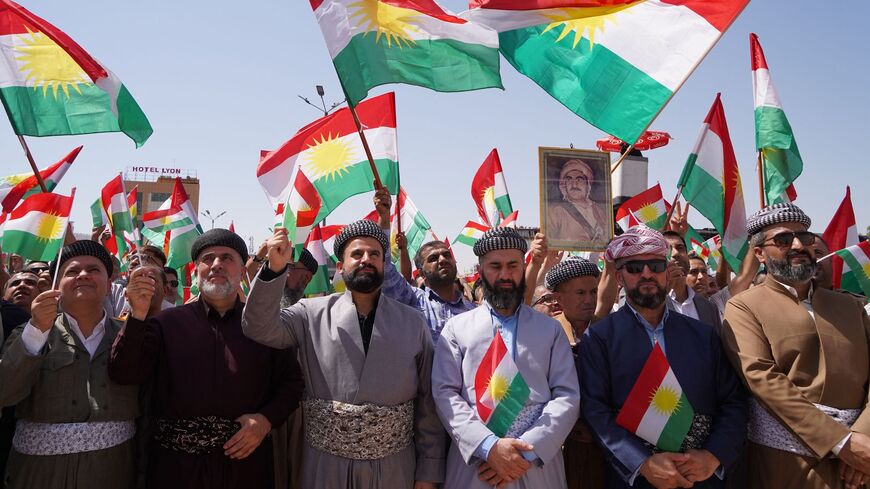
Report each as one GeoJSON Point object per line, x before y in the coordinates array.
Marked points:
{"type": "Point", "coordinates": [48, 66]}
{"type": "Point", "coordinates": [50, 227]}
{"type": "Point", "coordinates": [665, 400]}
{"type": "Point", "coordinates": [13, 180]}
{"type": "Point", "coordinates": [647, 213]}
{"type": "Point", "coordinates": [329, 157]}
{"type": "Point", "coordinates": [866, 268]}
{"type": "Point", "coordinates": [588, 21]}
{"type": "Point", "coordinates": [498, 387]}
{"type": "Point", "coordinates": [390, 22]}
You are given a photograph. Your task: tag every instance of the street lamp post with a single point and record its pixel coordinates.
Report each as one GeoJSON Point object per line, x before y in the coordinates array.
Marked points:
{"type": "Point", "coordinates": [208, 215]}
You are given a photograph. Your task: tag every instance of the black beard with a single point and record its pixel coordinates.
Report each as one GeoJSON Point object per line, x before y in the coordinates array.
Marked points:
{"type": "Point", "coordinates": [291, 296]}
{"type": "Point", "coordinates": [647, 301]}
{"type": "Point", "coordinates": [435, 280]}
{"type": "Point", "coordinates": [504, 299]}
{"type": "Point", "coordinates": [785, 272]}
{"type": "Point", "coordinates": [364, 283]}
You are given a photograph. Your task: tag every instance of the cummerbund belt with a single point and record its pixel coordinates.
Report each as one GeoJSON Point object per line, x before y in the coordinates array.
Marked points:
{"type": "Point", "coordinates": [766, 430]}
{"type": "Point", "coordinates": [65, 438]}
{"type": "Point", "coordinates": [358, 431]}
{"type": "Point", "coordinates": [198, 436]}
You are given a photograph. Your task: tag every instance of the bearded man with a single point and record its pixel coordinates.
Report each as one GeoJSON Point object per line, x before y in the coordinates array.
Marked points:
{"type": "Point", "coordinates": [503, 381]}
{"type": "Point", "coordinates": [216, 393]}
{"type": "Point", "coordinates": [803, 352]}
{"type": "Point", "coordinates": [633, 359]}
{"type": "Point", "coordinates": [369, 419]}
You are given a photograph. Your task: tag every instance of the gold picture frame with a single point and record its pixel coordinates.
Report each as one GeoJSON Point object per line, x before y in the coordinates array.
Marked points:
{"type": "Point", "coordinates": [575, 217]}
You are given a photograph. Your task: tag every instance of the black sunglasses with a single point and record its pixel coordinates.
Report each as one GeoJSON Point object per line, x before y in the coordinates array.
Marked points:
{"type": "Point", "coordinates": [787, 238]}
{"type": "Point", "coordinates": [636, 266]}
{"type": "Point", "coordinates": [173, 283]}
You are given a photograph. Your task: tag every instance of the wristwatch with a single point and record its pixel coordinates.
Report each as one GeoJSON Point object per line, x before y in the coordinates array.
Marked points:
{"type": "Point", "coordinates": [258, 260]}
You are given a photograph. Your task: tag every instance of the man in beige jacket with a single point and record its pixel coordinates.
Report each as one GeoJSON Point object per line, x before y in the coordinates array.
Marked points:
{"type": "Point", "coordinates": [803, 353]}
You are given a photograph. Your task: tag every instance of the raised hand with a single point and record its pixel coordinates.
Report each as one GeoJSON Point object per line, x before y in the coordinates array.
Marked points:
{"type": "Point", "coordinates": [43, 310]}
{"type": "Point", "coordinates": [383, 202]}
{"type": "Point", "coordinates": [280, 250]}
{"type": "Point", "coordinates": [139, 292]}
{"type": "Point", "coordinates": [539, 249]}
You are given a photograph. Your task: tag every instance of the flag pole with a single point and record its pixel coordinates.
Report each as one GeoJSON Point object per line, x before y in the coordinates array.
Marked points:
{"type": "Point", "coordinates": [33, 167]}
{"type": "Point", "coordinates": [624, 155]}
{"type": "Point", "coordinates": [760, 179]}
{"type": "Point", "coordinates": [72, 197]}
{"type": "Point", "coordinates": [398, 200]}
{"type": "Point", "coordinates": [365, 143]}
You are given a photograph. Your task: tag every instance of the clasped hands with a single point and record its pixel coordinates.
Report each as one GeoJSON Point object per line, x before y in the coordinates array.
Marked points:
{"type": "Point", "coordinates": [668, 470]}
{"type": "Point", "coordinates": [505, 462]}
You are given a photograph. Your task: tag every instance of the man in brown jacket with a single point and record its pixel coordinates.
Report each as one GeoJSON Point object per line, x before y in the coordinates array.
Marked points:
{"type": "Point", "coordinates": [803, 353]}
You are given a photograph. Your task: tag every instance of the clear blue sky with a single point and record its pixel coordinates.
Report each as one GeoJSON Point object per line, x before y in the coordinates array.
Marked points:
{"type": "Point", "coordinates": [219, 83]}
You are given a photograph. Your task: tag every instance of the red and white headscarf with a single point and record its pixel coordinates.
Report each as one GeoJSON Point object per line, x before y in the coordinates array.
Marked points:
{"type": "Point", "coordinates": [639, 240]}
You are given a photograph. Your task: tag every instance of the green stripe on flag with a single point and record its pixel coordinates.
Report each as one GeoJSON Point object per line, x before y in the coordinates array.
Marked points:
{"type": "Point", "coordinates": [466, 240]}
{"type": "Point", "coordinates": [593, 82]}
{"type": "Point", "coordinates": [782, 159]}
{"type": "Point", "coordinates": [320, 282]}
{"type": "Point", "coordinates": [358, 178]}
{"type": "Point", "coordinates": [855, 280]}
{"type": "Point", "coordinates": [444, 65]}
{"type": "Point", "coordinates": [677, 426]}
{"type": "Point", "coordinates": [508, 407]}
{"type": "Point", "coordinates": [31, 246]}
{"type": "Point", "coordinates": [503, 204]}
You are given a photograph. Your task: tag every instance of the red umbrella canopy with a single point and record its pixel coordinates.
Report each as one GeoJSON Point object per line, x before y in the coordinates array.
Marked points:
{"type": "Point", "coordinates": [648, 140]}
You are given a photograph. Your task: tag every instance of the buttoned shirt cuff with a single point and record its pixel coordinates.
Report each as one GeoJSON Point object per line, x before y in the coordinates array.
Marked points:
{"type": "Point", "coordinates": [839, 446]}
{"type": "Point", "coordinates": [482, 450]}
{"type": "Point", "coordinates": [34, 339]}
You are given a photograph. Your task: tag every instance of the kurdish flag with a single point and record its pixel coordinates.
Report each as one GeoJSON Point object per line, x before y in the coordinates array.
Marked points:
{"type": "Point", "coordinates": [489, 191]}
{"type": "Point", "coordinates": [648, 206]}
{"type": "Point", "coordinates": [615, 63]}
{"type": "Point", "coordinates": [856, 268]}
{"type": "Point", "coordinates": [501, 391]}
{"type": "Point", "coordinates": [414, 225]}
{"type": "Point", "coordinates": [841, 233]}
{"type": "Point", "coordinates": [714, 259]}
{"type": "Point", "coordinates": [329, 154]}
{"type": "Point", "coordinates": [36, 228]}
{"type": "Point", "coordinates": [471, 233]}
{"type": "Point", "coordinates": [656, 409]}
{"type": "Point", "coordinates": [320, 282]}
{"type": "Point", "coordinates": [711, 183]}
{"type": "Point", "coordinates": [300, 213]}
{"type": "Point", "coordinates": [16, 187]}
{"type": "Point", "coordinates": [98, 214]}
{"type": "Point", "coordinates": [781, 160]}
{"type": "Point", "coordinates": [374, 42]}
{"type": "Point", "coordinates": [180, 227]}
{"type": "Point", "coordinates": [51, 86]}
{"type": "Point", "coordinates": [114, 202]}
{"type": "Point", "coordinates": [328, 234]}
{"type": "Point", "coordinates": [694, 241]}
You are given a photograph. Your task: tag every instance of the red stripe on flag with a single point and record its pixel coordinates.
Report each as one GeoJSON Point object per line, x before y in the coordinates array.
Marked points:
{"type": "Point", "coordinates": [647, 197]}
{"type": "Point", "coordinates": [836, 235]}
{"type": "Point", "coordinates": [542, 4]}
{"type": "Point", "coordinates": [114, 187]}
{"type": "Point", "coordinates": [637, 403]}
{"type": "Point", "coordinates": [58, 205]}
{"type": "Point", "coordinates": [731, 173]}
{"type": "Point", "coordinates": [496, 351]}
{"type": "Point", "coordinates": [756, 53]}
{"type": "Point", "coordinates": [24, 186]}
{"type": "Point", "coordinates": [720, 14]}
{"type": "Point", "coordinates": [484, 179]}
{"type": "Point", "coordinates": [15, 19]}
{"type": "Point", "coordinates": [376, 112]}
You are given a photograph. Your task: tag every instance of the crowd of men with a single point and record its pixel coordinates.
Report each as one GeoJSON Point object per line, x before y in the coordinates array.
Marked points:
{"type": "Point", "coordinates": [530, 380]}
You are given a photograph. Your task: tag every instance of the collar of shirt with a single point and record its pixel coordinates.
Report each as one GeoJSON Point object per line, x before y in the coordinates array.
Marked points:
{"type": "Point", "coordinates": [92, 342]}
{"type": "Point", "coordinates": [506, 327]}
{"type": "Point", "coordinates": [656, 334]}
{"type": "Point", "coordinates": [432, 295]}
{"type": "Point", "coordinates": [689, 297]}
{"type": "Point", "coordinates": [207, 308]}
{"type": "Point", "coordinates": [791, 290]}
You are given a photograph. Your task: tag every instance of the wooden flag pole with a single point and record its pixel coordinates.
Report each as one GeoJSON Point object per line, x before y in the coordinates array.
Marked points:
{"type": "Point", "coordinates": [72, 197]}
{"type": "Point", "coordinates": [398, 200]}
{"type": "Point", "coordinates": [761, 180]}
{"type": "Point", "coordinates": [365, 144]}
{"type": "Point", "coordinates": [622, 158]}
{"type": "Point", "coordinates": [33, 167]}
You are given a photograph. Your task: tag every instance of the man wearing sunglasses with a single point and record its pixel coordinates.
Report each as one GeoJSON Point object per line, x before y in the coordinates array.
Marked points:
{"type": "Point", "coordinates": [803, 352]}
{"type": "Point", "coordinates": [613, 363]}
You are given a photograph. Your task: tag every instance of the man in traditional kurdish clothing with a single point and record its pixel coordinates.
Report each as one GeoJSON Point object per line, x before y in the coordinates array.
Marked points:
{"type": "Point", "coordinates": [503, 381]}
{"type": "Point", "coordinates": [575, 283]}
{"type": "Point", "coordinates": [439, 300]}
{"type": "Point", "coordinates": [75, 425]}
{"type": "Point", "coordinates": [803, 352]}
{"type": "Point", "coordinates": [369, 417]}
{"type": "Point", "coordinates": [216, 393]}
{"type": "Point", "coordinates": [657, 390]}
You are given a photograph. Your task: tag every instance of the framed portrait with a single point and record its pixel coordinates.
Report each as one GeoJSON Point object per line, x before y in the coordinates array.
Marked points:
{"type": "Point", "coordinates": [576, 201]}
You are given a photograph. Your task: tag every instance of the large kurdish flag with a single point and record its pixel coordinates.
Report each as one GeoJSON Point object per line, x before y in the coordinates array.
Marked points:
{"type": "Point", "coordinates": [374, 42]}
{"type": "Point", "coordinates": [51, 86]}
{"type": "Point", "coordinates": [711, 183]}
{"type": "Point", "coordinates": [656, 408]}
{"type": "Point", "coordinates": [782, 161]}
{"type": "Point", "coordinates": [501, 391]}
{"type": "Point", "coordinates": [615, 63]}
{"type": "Point", "coordinates": [35, 229]}
{"type": "Point", "coordinates": [856, 268]}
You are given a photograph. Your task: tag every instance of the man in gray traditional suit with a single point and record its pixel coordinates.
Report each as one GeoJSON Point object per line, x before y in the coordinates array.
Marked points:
{"type": "Point", "coordinates": [503, 381]}
{"type": "Point", "coordinates": [370, 421]}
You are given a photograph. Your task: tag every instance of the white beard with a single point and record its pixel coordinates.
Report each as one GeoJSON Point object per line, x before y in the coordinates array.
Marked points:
{"type": "Point", "coordinates": [218, 291]}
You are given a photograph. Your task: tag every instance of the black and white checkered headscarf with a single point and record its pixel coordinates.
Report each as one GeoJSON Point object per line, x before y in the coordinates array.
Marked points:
{"type": "Point", "coordinates": [500, 239]}
{"type": "Point", "coordinates": [307, 259]}
{"type": "Point", "coordinates": [360, 229]}
{"type": "Point", "coordinates": [564, 271]}
{"type": "Point", "coordinates": [776, 214]}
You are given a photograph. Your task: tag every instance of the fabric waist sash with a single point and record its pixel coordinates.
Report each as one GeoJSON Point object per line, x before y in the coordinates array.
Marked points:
{"type": "Point", "coordinates": [358, 431]}
{"type": "Point", "coordinates": [65, 438]}
{"type": "Point", "coordinates": [198, 436]}
{"type": "Point", "coordinates": [766, 430]}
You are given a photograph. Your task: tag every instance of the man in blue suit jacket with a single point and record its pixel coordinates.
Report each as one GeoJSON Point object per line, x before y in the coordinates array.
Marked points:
{"type": "Point", "coordinates": [613, 353]}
